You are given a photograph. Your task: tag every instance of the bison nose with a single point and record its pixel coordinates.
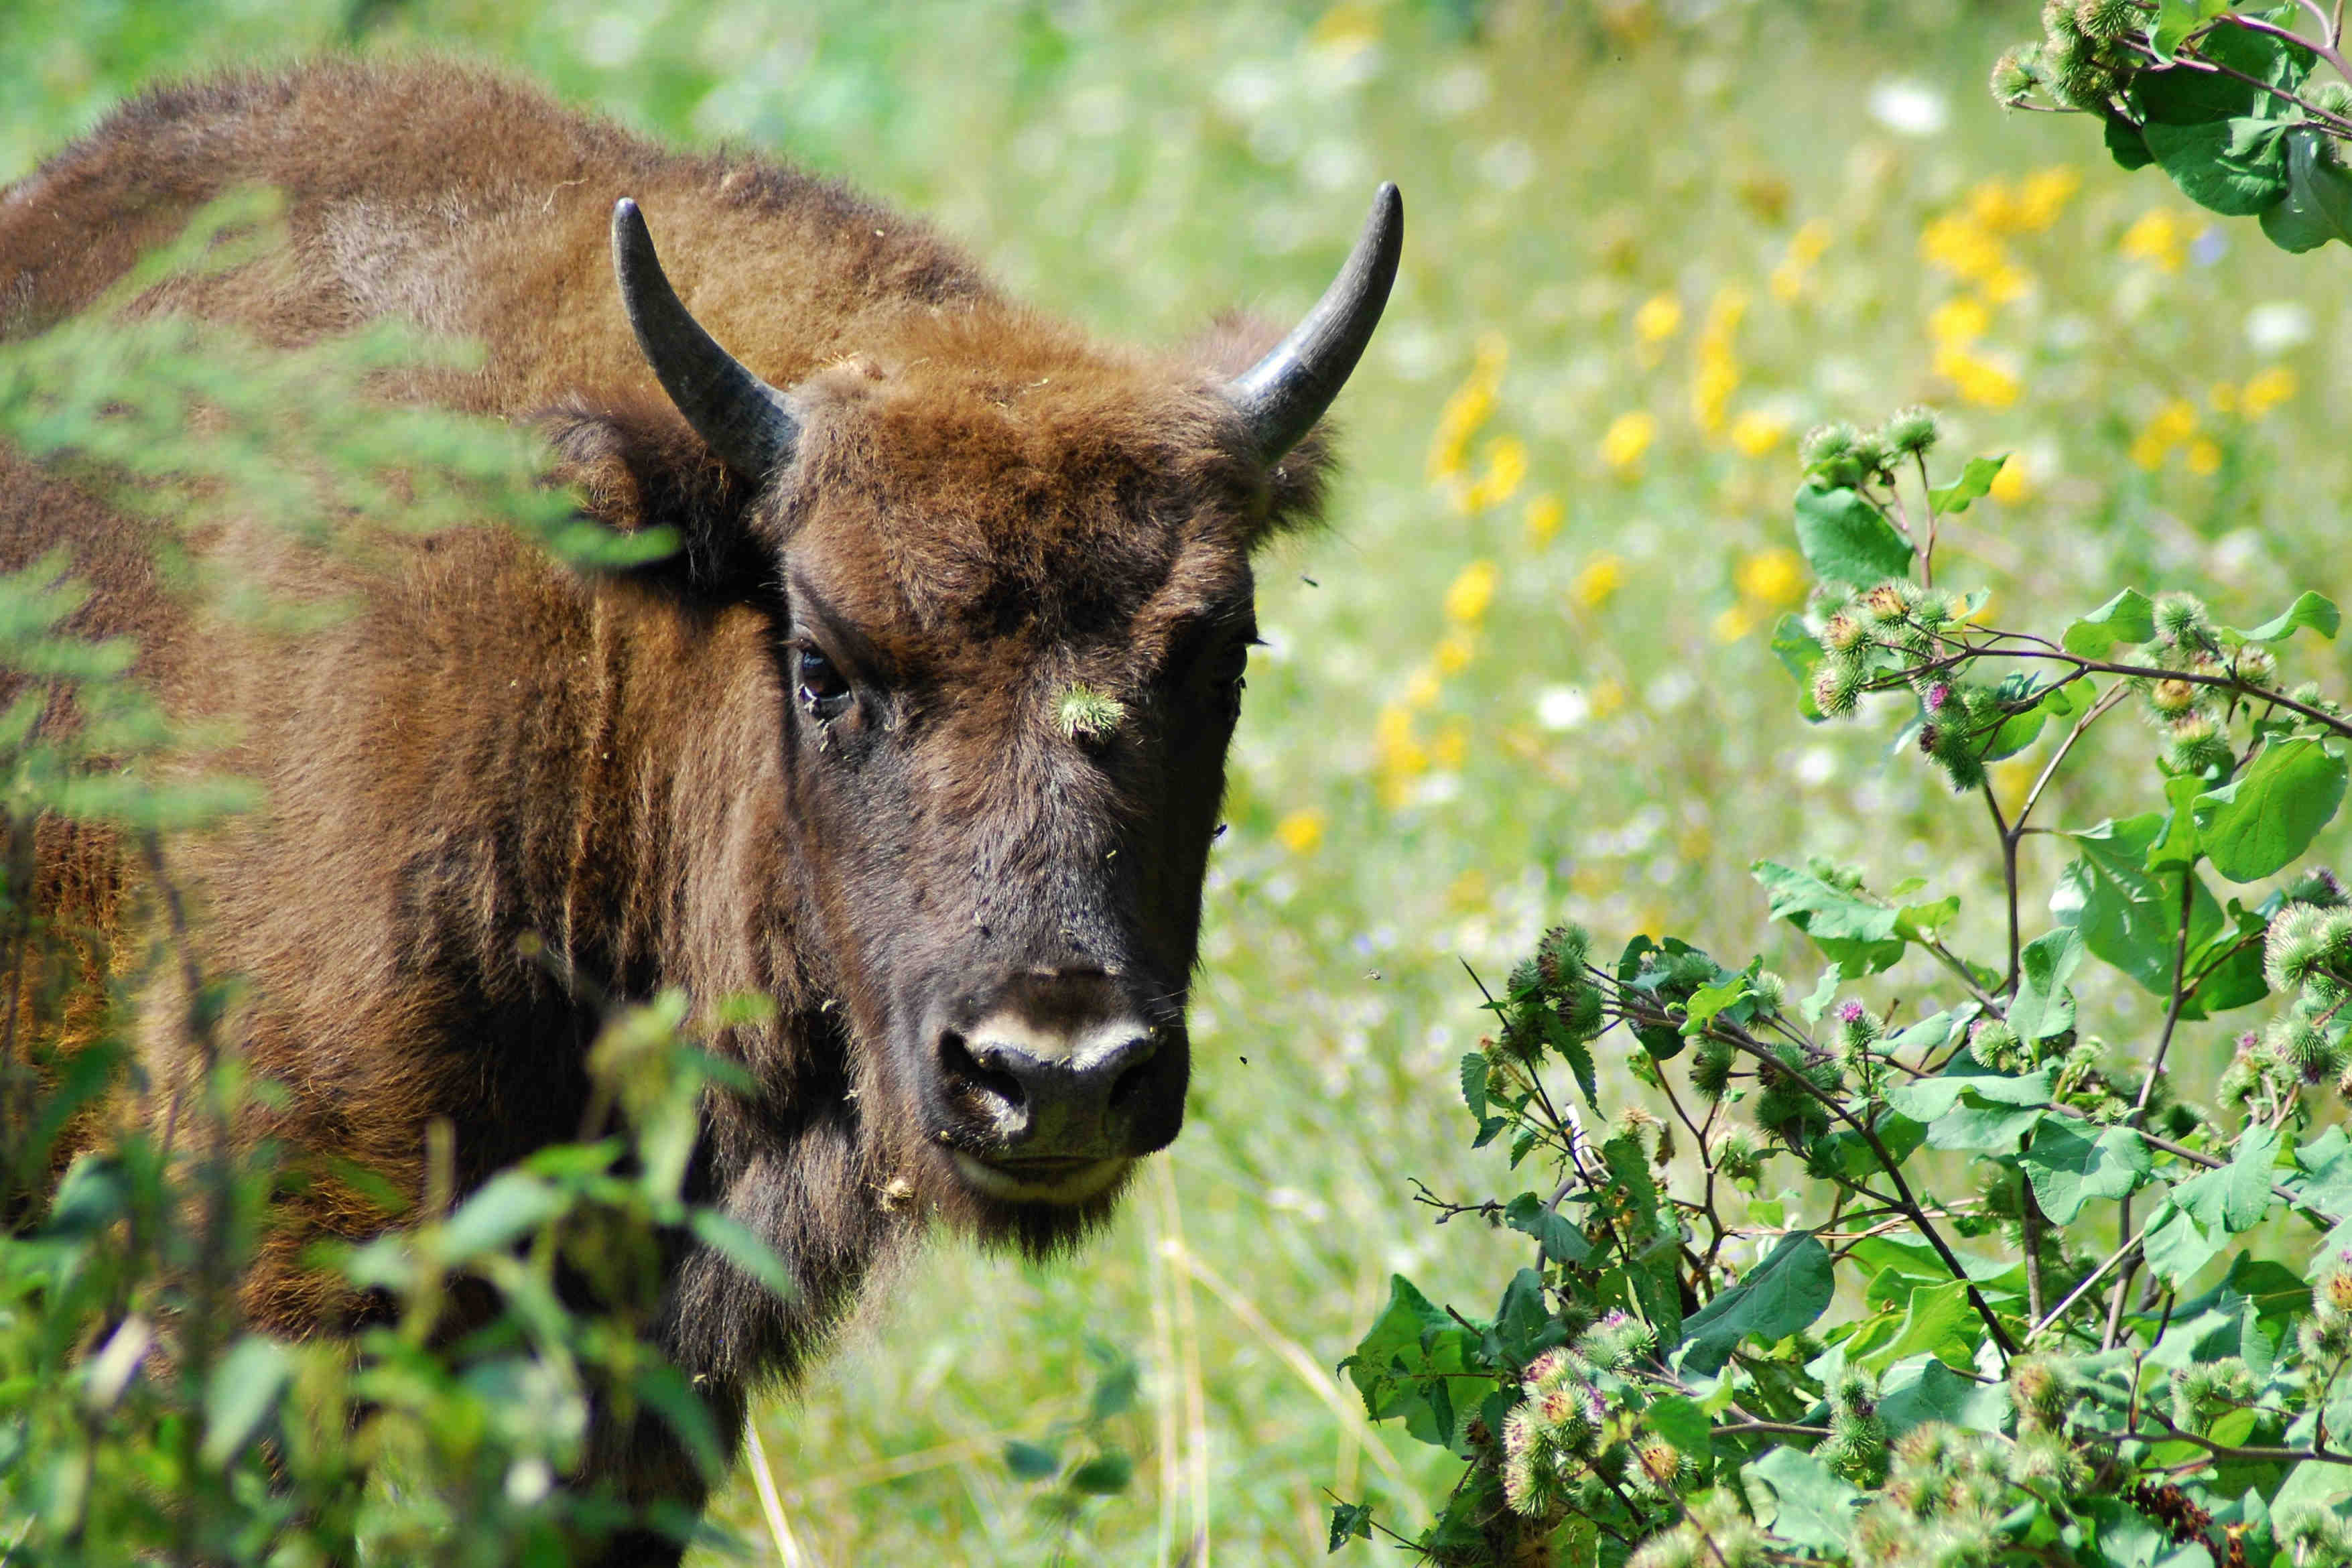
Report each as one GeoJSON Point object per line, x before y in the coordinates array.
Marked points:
{"type": "Point", "coordinates": [1038, 1083]}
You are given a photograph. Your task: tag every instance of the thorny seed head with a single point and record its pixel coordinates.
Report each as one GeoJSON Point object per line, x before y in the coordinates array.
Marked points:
{"type": "Point", "coordinates": [2172, 697]}
{"type": "Point", "coordinates": [1087, 714]}
{"type": "Point", "coordinates": [2332, 1294]}
{"type": "Point", "coordinates": [1889, 601]}
{"type": "Point", "coordinates": [1825, 443]}
{"type": "Point", "coordinates": [1911, 432]}
{"type": "Point", "coordinates": [1770, 990]}
{"type": "Point", "coordinates": [2013, 74]}
{"type": "Point", "coordinates": [2181, 620]}
{"type": "Point", "coordinates": [2109, 20]}
{"type": "Point", "coordinates": [1842, 632]}
{"type": "Point", "coordinates": [1661, 1461]}
{"type": "Point", "coordinates": [1837, 686]}
{"type": "Point", "coordinates": [2303, 1050]}
{"type": "Point", "coordinates": [1560, 957]}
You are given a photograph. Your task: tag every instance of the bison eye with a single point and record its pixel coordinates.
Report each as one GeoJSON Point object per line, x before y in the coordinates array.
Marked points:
{"type": "Point", "coordinates": [825, 692]}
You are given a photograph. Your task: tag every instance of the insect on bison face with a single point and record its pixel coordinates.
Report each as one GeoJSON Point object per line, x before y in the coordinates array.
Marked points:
{"type": "Point", "coordinates": [1015, 613]}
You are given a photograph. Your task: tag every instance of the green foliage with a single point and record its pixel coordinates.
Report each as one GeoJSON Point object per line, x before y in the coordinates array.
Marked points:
{"type": "Point", "coordinates": [2222, 98]}
{"type": "Point", "coordinates": [1874, 1363]}
{"type": "Point", "coordinates": [139, 1418]}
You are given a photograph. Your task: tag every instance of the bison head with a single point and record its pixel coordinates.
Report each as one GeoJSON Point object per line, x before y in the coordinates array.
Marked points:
{"type": "Point", "coordinates": [1011, 589]}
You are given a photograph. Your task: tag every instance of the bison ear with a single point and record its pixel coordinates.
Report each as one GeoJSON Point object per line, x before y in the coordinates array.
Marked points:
{"type": "Point", "coordinates": [1296, 482]}
{"type": "Point", "coordinates": [641, 467]}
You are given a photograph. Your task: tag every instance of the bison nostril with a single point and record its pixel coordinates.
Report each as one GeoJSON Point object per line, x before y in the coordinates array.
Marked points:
{"type": "Point", "coordinates": [1132, 1079]}
{"type": "Point", "coordinates": [976, 1077]}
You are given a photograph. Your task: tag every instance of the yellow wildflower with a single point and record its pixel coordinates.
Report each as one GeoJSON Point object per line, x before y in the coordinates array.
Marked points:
{"type": "Point", "coordinates": [2266, 389]}
{"type": "Point", "coordinates": [1711, 390]}
{"type": "Point", "coordinates": [1628, 436]}
{"type": "Point", "coordinates": [2174, 423]}
{"type": "Point", "coordinates": [2204, 457]}
{"type": "Point", "coordinates": [1756, 434]}
{"type": "Point", "coordinates": [2012, 484]}
{"type": "Point", "coordinates": [1992, 207]}
{"type": "Point", "coordinates": [1978, 381]}
{"type": "Point", "coordinates": [2223, 398]}
{"type": "Point", "coordinates": [1300, 832]}
{"type": "Point", "coordinates": [1959, 320]}
{"type": "Point", "coordinates": [1422, 687]}
{"type": "Point", "coordinates": [1506, 466]}
{"type": "Point", "coordinates": [1809, 242]}
{"type": "Point", "coordinates": [1472, 404]}
{"type": "Point", "coordinates": [1393, 728]}
{"type": "Point", "coordinates": [1473, 590]}
{"type": "Point", "coordinates": [1805, 248]}
{"type": "Point", "coordinates": [1607, 697]}
{"type": "Point", "coordinates": [2158, 237]}
{"type": "Point", "coordinates": [1601, 578]}
{"type": "Point", "coordinates": [1467, 892]}
{"type": "Point", "coordinates": [2043, 196]}
{"type": "Point", "coordinates": [1453, 653]}
{"type": "Point", "coordinates": [1960, 246]}
{"type": "Point", "coordinates": [1733, 624]}
{"type": "Point", "coordinates": [1545, 514]}
{"type": "Point", "coordinates": [1773, 579]}
{"type": "Point", "coordinates": [1452, 745]}
{"type": "Point", "coordinates": [1351, 24]}
{"type": "Point", "coordinates": [1660, 318]}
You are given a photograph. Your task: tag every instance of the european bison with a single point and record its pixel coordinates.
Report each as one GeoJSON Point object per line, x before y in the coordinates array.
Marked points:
{"type": "Point", "coordinates": [919, 735]}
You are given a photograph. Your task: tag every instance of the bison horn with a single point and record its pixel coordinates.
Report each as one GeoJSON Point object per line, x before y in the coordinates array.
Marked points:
{"type": "Point", "coordinates": [747, 423]}
{"type": "Point", "coordinates": [1284, 394]}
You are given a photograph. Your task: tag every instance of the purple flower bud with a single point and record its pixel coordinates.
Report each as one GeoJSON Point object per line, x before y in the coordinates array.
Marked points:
{"type": "Point", "coordinates": [1850, 1012]}
{"type": "Point", "coordinates": [1936, 695]}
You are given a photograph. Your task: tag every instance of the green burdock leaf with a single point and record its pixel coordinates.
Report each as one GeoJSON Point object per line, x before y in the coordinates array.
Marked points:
{"type": "Point", "coordinates": [1859, 934]}
{"type": "Point", "coordinates": [1416, 1363]}
{"type": "Point", "coordinates": [2267, 817]}
{"type": "Point", "coordinates": [2317, 206]}
{"type": "Point", "coordinates": [2176, 19]}
{"type": "Point", "coordinates": [2129, 616]}
{"type": "Point", "coordinates": [1938, 1321]}
{"type": "Point", "coordinates": [1922, 1389]}
{"type": "Point", "coordinates": [2176, 1245]}
{"type": "Point", "coordinates": [1844, 536]}
{"type": "Point", "coordinates": [2236, 1196]}
{"type": "Point", "coordinates": [1104, 1475]}
{"type": "Point", "coordinates": [2236, 167]}
{"type": "Point", "coordinates": [1350, 1521]}
{"type": "Point", "coordinates": [2126, 145]}
{"type": "Point", "coordinates": [1558, 1236]}
{"type": "Point", "coordinates": [2317, 611]}
{"type": "Point", "coordinates": [1799, 651]}
{"type": "Point", "coordinates": [1652, 1236]}
{"type": "Point", "coordinates": [2044, 1007]}
{"type": "Point", "coordinates": [2130, 916]}
{"type": "Point", "coordinates": [241, 1394]}
{"type": "Point", "coordinates": [2069, 1171]}
{"type": "Point", "coordinates": [1031, 1461]}
{"type": "Point", "coordinates": [1975, 480]}
{"type": "Point", "coordinates": [1779, 1297]}
{"type": "Point", "coordinates": [1816, 1508]}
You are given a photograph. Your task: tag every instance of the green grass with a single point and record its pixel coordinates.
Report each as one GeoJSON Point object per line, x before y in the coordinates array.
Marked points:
{"type": "Point", "coordinates": [1142, 167]}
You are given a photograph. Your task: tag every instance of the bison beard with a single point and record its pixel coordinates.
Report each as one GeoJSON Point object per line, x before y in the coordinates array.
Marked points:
{"type": "Point", "coordinates": [817, 755]}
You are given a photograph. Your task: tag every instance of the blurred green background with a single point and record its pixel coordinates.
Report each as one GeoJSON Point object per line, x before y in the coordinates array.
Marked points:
{"type": "Point", "coordinates": [1524, 676]}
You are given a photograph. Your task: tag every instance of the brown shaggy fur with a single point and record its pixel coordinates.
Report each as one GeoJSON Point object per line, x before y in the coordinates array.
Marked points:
{"type": "Point", "coordinates": [498, 753]}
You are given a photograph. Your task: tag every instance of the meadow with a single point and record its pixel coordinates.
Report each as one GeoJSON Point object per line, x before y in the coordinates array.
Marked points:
{"type": "Point", "coordinates": [1524, 676]}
